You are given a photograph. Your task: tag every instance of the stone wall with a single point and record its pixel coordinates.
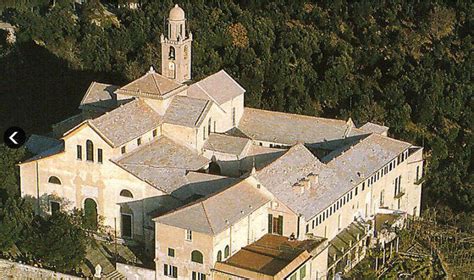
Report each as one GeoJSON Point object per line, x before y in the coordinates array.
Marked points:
{"type": "Point", "coordinates": [13, 270]}
{"type": "Point", "coordinates": [135, 272]}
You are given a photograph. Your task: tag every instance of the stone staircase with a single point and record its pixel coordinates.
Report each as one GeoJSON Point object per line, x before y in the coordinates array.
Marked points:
{"type": "Point", "coordinates": [106, 254]}
{"type": "Point", "coordinates": [114, 275]}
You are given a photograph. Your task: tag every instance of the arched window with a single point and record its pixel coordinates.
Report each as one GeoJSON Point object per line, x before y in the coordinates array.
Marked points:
{"type": "Point", "coordinates": [181, 30]}
{"type": "Point", "coordinates": [196, 256]}
{"type": "Point", "coordinates": [54, 180]}
{"type": "Point", "coordinates": [219, 256]}
{"type": "Point", "coordinates": [90, 213]}
{"type": "Point", "coordinates": [226, 251]}
{"type": "Point", "coordinates": [172, 53]}
{"type": "Point", "coordinates": [89, 150]}
{"type": "Point", "coordinates": [126, 193]}
{"type": "Point", "coordinates": [172, 70]}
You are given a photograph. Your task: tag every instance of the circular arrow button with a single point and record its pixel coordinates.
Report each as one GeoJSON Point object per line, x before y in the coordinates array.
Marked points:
{"type": "Point", "coordinates": [14, 137]}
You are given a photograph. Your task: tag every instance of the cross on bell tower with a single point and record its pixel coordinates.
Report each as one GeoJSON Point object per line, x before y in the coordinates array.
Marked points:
{"type": "Point", "coordinates": [176, 47]}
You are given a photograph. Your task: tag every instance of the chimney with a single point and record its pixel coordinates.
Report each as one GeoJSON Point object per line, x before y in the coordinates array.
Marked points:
{"type": "Point", "coordinates": [314, 179]}
{"type": "Point", "coordinates": [306, 183]}
{"type": "Point", "coordinates": [298, 185]}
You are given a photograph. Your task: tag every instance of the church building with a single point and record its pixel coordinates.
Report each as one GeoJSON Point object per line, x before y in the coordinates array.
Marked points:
{"type": "Point", "coordinates": [216, 190]}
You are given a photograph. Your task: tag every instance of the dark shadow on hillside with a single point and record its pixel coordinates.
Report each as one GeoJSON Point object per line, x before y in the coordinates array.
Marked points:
{"type": "Point", "coordinates": [38, 89]}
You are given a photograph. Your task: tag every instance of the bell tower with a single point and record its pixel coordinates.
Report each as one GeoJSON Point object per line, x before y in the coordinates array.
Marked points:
{"type": "Point", "coordinates": [176, 47]}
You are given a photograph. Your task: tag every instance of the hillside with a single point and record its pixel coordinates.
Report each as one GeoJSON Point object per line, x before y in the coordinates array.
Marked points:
{"type": "Point", "coordinates": [405, 65]}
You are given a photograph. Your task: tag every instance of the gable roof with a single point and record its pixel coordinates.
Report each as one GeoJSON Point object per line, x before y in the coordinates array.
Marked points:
{"type": "Point", "coordinates": [218, 87]}
{"type": "Point", "coordinates": [100, 95]}
{"type": "Point", "coordinates": [335, 178]}
{"type": "Point", "coordinates": [374, 128]}
{"type": "Point", "coordinates": [151, 85]}
{"type": "Point", "coordinates": [226, 144]}
{"type": "Point", "coordinates": [341, 174]}
{"type": "Point", "coordinates": [280, 177]}
{"type": "Point", "coordinates": [187, 111]}
{"type": "Point", "coordinates": [162, 163]}
{"type": "Point", "coordinates": [127, 122]}
{"type": "Point", "coordinates": [213, 214]}
{"type": "Point", "coordinates": [290, 129]}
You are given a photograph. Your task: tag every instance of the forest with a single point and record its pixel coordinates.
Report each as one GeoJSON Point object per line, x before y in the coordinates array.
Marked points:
{"type": "Point", "coordinates": [405, 64]}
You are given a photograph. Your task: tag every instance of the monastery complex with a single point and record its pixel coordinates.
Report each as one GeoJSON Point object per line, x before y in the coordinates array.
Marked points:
{"type": "Point", "coordinates": [216, 190]}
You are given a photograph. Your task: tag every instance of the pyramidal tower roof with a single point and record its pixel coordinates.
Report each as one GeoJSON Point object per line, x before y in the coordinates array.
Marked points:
{"type": "Point", "coordinates": [152, 85]}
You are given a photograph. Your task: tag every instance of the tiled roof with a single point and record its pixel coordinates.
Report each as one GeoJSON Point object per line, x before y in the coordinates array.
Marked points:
{"type": "Point", "coordinates": [203, 184]}
{"type": "Point", "coordinates": [270, 254]}
{"type": "Point", "coordinates": [281, 175]}
{"type": "Point", "coordinates": [57, 149]}
{"type": "Point", "coordinates": [100, 95]}
{"type": "Point", "coordinates": [289, 129]}
{"type": "Point", "coordinates": [217, 212]}
{"type": "Point", "coordinates": [162, 163]}
{"type": "Point", "coordinates": [218, 87]}
{"type": "Point", "coordinates": [187, 111]}
{"type": "Point", "coordinates": [37, 143]}
{"type": "Point", "coordinates": [226, 144]}
{"type": "Point", "coordinates": [341, 173]}
{"type": "Point", "coordinates": [335, 178]}
{"type": "Point", "coordinates": [374, 128]}
{"type": "Point", "coordinates": [127, 122]}
{"type": "Point", "coordinates": [151, 85]}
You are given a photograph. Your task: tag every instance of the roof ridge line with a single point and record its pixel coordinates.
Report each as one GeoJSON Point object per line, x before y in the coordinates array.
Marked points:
{"type": "Point", "coordinates": [207, 217]}
{"type": "Point", "coordinates": [156, 83]}
{"type": "Point", "coordinates": [294, 114]}
{"type": "Point", "coordinates": [202, 112]}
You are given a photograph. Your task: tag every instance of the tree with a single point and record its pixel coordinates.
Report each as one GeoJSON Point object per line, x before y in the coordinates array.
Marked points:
{"type": "Point", "coordinates": [58, 241]}
{"type": "Point", "coordinates": [15, 218]}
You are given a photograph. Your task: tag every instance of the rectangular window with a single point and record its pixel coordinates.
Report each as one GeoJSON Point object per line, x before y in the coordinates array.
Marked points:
{"type": "Point", "coordinates": [350, 195]}
{"type": "Point", "coordinates": [356, 190]}
{"type": "Point", "coordinates": [307, 228]}
{"type": "Point", "coordinates": [155, 133]}
{"type": "Point", "coordinates": [303, 272]}
{"type": "Point", "coordinates": [100, 155]}
{"type": "Point", "coordinates": [313, 224]}
{"type": "Point", "coordinates": [79, 152]}
{"type": "Point", "coordinates": [170, 271]}
{"type": "Point", "coordinates": [126, 225]}
{"type": "Point", "coordinates": [363, 186]}
{"type": "Point", "coordinates": [203, 133]}
{"type": "Point", "coordinates": [189, 235]}
{"type": "Point", "coordinates": [199, 276]}
{"type": "Point", "coordinates": [139, 141]}
{"type": "Point", "coordinates": [170, 252]}
{"type": "Point", "coordinates": [124, 150]}
{"type": "Point", "coordinates": [270, 222]}
{"type": "Point", "coordinates": [279, 225]}
{"type": "Point", "coordinates": [293, 277]}
{"type": "Point", "coordinates": [417, 173]}
{"type": "Point", "coordinates": [54, 206]}
{"type": "Point", "coordinates": [233, 116]}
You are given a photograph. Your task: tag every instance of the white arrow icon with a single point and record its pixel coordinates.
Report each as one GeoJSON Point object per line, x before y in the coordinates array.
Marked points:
{"type": "Point", "coordinates": [12, 139]}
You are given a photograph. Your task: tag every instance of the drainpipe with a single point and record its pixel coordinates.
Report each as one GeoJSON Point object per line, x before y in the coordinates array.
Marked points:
{"type": "Point", "coordinates": [37, 189]}
{"type": "Point", "coordinates": [298, 227]}
{"type": "Point", "coordinates": [230, 243]}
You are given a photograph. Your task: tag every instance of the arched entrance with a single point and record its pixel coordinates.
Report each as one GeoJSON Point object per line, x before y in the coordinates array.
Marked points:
{"type": "Point", "coordinates": [90, 213]}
